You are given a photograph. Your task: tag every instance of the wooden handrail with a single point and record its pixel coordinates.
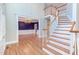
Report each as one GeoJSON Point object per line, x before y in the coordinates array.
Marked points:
{"type": "Point", "coordinates": [62, 9]}
{"type": "Point", "coordinates": [56, 7]}
{"type": "Point", "coordinates": [54, 19]}
{"type": "Point", "coordinates": [46, 29]}
{"type": "Point", "coordinates": [72, 26]}
{"type": "Point", "coordinates": [49, 7]}
{"type": "Point", "coordinates": [75, 30]}
{"type": "Point", "coordinates": [62, 5]}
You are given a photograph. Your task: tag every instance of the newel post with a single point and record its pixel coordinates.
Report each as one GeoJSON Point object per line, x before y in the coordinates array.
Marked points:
{"type": "Point", "coordinates": [57, 15]}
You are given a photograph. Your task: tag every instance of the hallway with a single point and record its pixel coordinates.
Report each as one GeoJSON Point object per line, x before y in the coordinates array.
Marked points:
{"type": "Point", "coordinates": [30, 46]}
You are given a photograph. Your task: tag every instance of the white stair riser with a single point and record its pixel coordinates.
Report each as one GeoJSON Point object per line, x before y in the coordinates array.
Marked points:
{"type": "Point", "coordinates": [64, 46]}
{"type": "Point", "coordinates": [64, 28]}
{"type": "Point", "coordinates": [57, 50]}
{"type": "Point", "coordinates": [66, 36]}
{"type": "Point", "coordinates": [65, 25]}
{"type": "Point", "coordinates": [63, 32]}
{"type": "Point", "coordinates": [62, 40]}
{"type": "Point", "coordinates": [48, 52]}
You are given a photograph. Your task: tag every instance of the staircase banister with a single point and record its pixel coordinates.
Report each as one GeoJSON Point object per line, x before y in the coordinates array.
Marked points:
{"type": "Point", "coordinates": [54, 18]}
{"type": "Point", "coordinates": [49, 7]}
{"type": "Point", "coordinates": [62, 5]}
{"type": "Point", "coordinates": [74, 28]}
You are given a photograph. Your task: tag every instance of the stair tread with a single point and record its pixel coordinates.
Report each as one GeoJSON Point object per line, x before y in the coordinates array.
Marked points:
{"type": "Point", "coordinates": [64, 20]}
{"type": "Point", "coordinates": [64, 23]}
{"type": "Point", "coordinates": [67, 32]}
{"type": "Point", "coordinates": [64, 46]}
{"type": "Point", "coordinates": [64, 43]}
{"type": "Point", "coordinates": [64, 26]}
{"type": "Point", "coordinates": [66, 36]}
{"type": "Point", "coordinates": [52, 51]}
{"type": "Point", "coordinates": [62, 29]}
{"type": "Point", "coordinates": [59, 37]}
{"type": "Point", "coordinates": [61, 33]}
{"type": "Point", "coordinates": [59, 47]}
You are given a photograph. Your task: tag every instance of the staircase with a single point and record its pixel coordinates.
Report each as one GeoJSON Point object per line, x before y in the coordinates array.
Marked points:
{"type": "Point", "coordinates": [59, 42]}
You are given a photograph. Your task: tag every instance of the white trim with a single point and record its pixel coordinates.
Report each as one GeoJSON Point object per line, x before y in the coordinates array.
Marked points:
{"type": "Point", "coordinates": [2, 49]}
{"type": "Point", "coordinates": [12, 42]}
{"type": "Point", "coordinates": [47, 51]}
{"type": "Point", "coordinates": [59, 39]}
{"type": "Point", "coordinates": [23, 32]}
{"type": "Point", "coordinates": [60, 51]}
{"type": "Point", "coordinates": [64, 46]}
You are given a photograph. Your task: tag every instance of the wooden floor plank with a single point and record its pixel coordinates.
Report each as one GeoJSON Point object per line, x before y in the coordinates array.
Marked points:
{"type": "Point", "coordinates": [28, 45]}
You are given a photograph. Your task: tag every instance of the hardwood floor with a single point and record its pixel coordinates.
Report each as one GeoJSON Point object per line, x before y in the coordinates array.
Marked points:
{"type": "Point", "coordinates": [28, 45]}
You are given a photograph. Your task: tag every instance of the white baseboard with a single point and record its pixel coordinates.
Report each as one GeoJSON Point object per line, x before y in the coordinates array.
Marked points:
{"type": "Point", "coordinates": [23, 32]}
{"type": "Point", "coordinates": [11, 42]}
{"type": "Point", "coordinates": [2, 49]}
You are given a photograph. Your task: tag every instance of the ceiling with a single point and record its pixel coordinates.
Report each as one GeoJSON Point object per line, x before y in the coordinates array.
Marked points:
{"type": "Point", "coordinates": [56, 5]}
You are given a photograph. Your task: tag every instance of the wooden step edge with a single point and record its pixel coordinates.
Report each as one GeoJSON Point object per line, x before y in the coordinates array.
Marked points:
{"type": "Point", "coordinates": [61, 33]}
{"type": "Point", "coordinates": [59, 37]}
{"type": "Point", "coordinates": [59, 47]}
{"type": "Point", "coordinates": [61, 30]}
{"type": "Point", "coordinates": [45, 53]}
{"type": "Point", "coordinates": [63, 27]}
{"type": "Point", "coordinates": [52, 51]}
{"type": "Point", "coordinates": [64, 20]}
{"type": "Point", "coordinates": [64, 24]}
{"type": "Point", "coordinates": [64, 43]}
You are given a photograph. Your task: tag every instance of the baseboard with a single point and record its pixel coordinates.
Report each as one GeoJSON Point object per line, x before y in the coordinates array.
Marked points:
{"type": "Point", "coordinates": [11, 42]}
{"type": "Point", "coordinates": [24, 32]}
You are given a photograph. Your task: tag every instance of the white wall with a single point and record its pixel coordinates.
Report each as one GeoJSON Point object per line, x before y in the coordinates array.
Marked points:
{"type": "Point", "coordinates": [14, 10]}
{"type": "Point", "coordinates": [68, 11]}
{"type": "Point", "coordinates": [2, 29]}
{"type": "Point", "coordinates": [77, 21]}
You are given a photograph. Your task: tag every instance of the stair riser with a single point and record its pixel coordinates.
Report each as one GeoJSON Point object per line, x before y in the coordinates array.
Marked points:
{"type": "Point", "coordinates": [59, 47]}
{"type": "Point", "coordinates": [51, 51]}
{"type": "Point", "coordinates": [67, 32]}
{"type": "Point", "coordinates": [61, 52]}
{"type": "Point", "coordinates": [66, 36]}
{"type": "Point", "coordinates": [61, 30]}
{"type": "Point", "coordinates": [65, 23]}
{"type": "Point", "coordinates": [64, 46]}
{"type": "Point", "coordinates": [46, 51]}
{"type": "Point", "coordinates": [64, 28]}
{"type": "Point", "coordinates": [61, 33]}
{"type": "Point", "coordinates": [59, 39]}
